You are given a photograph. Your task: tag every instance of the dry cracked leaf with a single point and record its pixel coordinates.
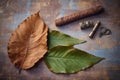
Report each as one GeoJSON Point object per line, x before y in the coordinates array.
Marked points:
{"type": "Point", "coordinates": [28, 43]}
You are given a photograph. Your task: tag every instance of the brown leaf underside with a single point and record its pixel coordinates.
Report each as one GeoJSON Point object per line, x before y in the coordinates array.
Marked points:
{"type": "Point", "coordinates": [28, 43]}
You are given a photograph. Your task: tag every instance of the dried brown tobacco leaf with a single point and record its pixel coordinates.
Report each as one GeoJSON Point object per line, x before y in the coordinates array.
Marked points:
{"type": "Point", "coordinates": [28, 43]}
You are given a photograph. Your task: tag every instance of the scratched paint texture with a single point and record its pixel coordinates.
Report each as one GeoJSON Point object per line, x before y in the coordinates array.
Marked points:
{"type": "Point", "coordinates": [13, 12]}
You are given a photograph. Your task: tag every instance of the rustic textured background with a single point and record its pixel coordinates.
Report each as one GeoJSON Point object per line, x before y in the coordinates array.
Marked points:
{"type": "Point", "coordinates": [13, 12]}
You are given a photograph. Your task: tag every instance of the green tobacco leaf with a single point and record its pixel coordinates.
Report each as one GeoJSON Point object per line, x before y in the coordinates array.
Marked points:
{"type": "Point", "coordinates": [56, 38]}
{"type": "Point", "coordinates": [65, 59]}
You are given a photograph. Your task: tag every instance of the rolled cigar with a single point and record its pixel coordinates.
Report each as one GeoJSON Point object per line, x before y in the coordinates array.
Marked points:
{"type": "Point", "coordinates": [78, 15]}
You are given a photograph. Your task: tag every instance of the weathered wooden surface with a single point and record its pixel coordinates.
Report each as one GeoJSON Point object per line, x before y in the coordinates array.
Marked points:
{"type": "Point", "coordinates": [13, 12]}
